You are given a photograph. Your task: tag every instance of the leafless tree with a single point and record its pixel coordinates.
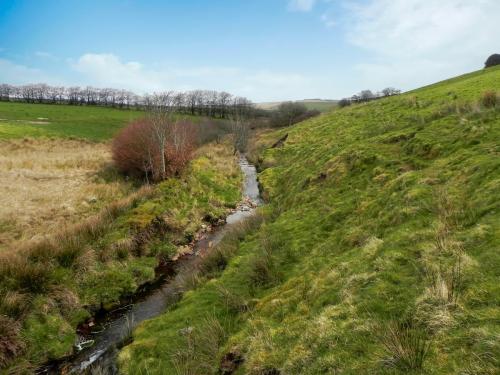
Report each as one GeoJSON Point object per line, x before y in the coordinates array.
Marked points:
{"type": "Point", "coordinates": [196, 102]}
{"type": "Point", "coordinates": [240, 130]}
{"type": "Point", "coordinates": [390, 91]}
{"type": "Point", "coordinates": [160, 118]}
{"type": "Point", "coordinates": [5, 91]}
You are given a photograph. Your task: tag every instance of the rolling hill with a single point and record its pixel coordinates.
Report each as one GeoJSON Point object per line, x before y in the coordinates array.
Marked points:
{"type": "Point", "coordinates": [378, 253]}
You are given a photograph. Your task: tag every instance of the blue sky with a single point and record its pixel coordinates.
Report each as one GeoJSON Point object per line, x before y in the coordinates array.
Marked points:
{"type": "Point", "coordinates": [263, 49]}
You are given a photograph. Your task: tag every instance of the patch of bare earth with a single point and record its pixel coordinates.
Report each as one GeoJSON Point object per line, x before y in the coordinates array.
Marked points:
{"type": "Point", "coordinates": [48, 184]}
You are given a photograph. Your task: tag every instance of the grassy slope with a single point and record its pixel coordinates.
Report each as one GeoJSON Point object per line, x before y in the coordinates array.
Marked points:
{"type": "Point", "coordinates": [48, 289]}
{"type": "Point", "coordinates": [382, 232]}
{"type": "Point", "coordinates": [88, 122]}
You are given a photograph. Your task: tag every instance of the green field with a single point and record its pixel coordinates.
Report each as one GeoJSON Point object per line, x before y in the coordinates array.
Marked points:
{"type": "Point", "coordinates": [312, 104]}
{"type": "Point", "coordinates": [85, 122]}
{"type": "Point", "coordinates": [319, 105]}
{"type": "Point", "coordinates": [378, 253]}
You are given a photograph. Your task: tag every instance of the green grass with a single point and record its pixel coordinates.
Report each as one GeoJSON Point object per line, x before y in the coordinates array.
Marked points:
{"type": "Point", "coordinates": [51, 287]}
{"type": "Point", "coordinates": [378, 254]}
{"type": "Point", "coordinates": [311, 104]}
{"type": "Point", "coordinates": [85, 122]}
{"type": "Point", "coordinates": [322, 106]}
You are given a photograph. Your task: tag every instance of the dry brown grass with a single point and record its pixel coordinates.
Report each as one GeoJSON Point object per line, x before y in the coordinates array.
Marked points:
{"type": "Point", "coordinates": [47, 183]}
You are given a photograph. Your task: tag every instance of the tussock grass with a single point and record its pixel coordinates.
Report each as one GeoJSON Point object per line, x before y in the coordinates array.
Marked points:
{"type": "Point", "coordinates": [379, 249]}
{"type": "Point", "coordinates": [489, 99]}
{"type": "Point", "coordinates": [47, 184]}
{"type": "Point", "coordinates": [52, 283]}
{"type": "Point", "coordinates": [406, 344]}
{"type": "Point", "coordinates": [201, 346]}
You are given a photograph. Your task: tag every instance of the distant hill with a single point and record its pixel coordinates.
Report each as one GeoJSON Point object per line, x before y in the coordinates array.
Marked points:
{"type": "Point", "coordinates": [322, 105]}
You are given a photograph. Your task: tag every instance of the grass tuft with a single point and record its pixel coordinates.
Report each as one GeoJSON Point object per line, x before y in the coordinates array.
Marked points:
{"type": "Point", "coordinates": [11, 344]}
{"type": "Point", "coordinates": [489, 99]}
{"type": "Point", "coordinates": [406, 345]}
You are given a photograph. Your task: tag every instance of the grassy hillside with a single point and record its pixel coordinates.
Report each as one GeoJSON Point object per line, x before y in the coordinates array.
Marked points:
{"type": "Point", "coordinates": [378, 253]}
{"type": "Point", "coordinates": [87, 122]}
{"type": "Point", "coordinates": [50, 285]}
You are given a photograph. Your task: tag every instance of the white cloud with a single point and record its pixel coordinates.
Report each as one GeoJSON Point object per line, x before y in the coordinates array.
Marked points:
{"type": "Point", "coordinates": [46, 55]}
{"type": "Point", "coordinates": [415, 42]}
{"type": "Point", "coordinates": [301, 5]}
{"type": "Point", "coordinates": [21, 74]}
{"type": "Point", "coordinates": [109, 70]}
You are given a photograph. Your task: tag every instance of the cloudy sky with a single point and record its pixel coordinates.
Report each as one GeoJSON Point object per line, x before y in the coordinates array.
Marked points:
{"type": "Point", "coordinates": [265, 50]}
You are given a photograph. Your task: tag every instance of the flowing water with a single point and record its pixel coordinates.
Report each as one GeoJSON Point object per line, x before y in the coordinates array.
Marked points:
{"type": "Point", "coordinates": [116, 327]}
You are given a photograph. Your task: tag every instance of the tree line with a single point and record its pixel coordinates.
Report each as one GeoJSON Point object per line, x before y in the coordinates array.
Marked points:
{"type": "Point", "coordinates": [368, 95]}
{"type": "Point", "coordinates": [219, 104]}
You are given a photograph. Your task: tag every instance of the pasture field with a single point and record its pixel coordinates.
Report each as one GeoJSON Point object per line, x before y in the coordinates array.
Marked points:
{"type": "Point", "coordinates": [54, 167]}
{"type": "Point", "coordinates": [69, 222]}
{"type": "Point", "coordinates": [378, 253]}
{"type": "Point", "coordinates": [19, 120]}
{"type": "Point", "coordinates": [46, 184]}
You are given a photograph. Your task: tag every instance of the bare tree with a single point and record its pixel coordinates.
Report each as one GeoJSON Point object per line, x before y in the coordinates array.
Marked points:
{"type": "Point", "coordinates": [5, 91]}
{"type": "Point", "coordinates": [196, 102]}
{"type": "Point", "coordinates": [241, 131]}
{"type": "Point", "coordinates": [73, 94]}
{"type": "Point", "coordinates": [160, 119]}
{"type": "Point", "coordinates": [103, 96]}
{"type": "Point", "coordinates": [390, 91]}
{"type": "Point", "coordinates": [366, 95]}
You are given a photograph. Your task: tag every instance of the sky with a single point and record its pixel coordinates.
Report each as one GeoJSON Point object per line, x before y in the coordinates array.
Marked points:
{"type": "Point", "coordinates": [265, 50]}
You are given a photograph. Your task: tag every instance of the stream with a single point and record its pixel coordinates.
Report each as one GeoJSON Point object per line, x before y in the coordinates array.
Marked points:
{"type": "Point", "coordinates": [114, 330]}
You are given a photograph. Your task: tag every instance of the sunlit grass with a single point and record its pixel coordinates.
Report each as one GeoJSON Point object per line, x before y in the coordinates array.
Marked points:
{"type": "Point", "coordinates": [378, 253]}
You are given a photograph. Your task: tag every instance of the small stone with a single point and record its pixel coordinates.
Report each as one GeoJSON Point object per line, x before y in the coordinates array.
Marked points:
{"type": "Point", "coordinates": [186, 331]}
{"type": "Point", "coordinates": [92, 199]}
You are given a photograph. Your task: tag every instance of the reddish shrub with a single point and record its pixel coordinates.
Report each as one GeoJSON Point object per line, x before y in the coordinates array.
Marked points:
{"type": "Point", "coordinates": [154, 149]}
{"type": "Point", "coordinates": [130, 148]}
{"type": "Point", "coordinates": [180, 146]}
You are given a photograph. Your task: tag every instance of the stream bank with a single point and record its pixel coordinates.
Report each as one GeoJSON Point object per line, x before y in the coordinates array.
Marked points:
{"type": "Point", "coordinates": [113, 330]}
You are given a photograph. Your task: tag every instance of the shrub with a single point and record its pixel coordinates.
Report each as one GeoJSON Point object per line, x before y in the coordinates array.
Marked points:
{"type": "Point", "coordinates": [492, 60]}
{"type": "Point", "coordinates": [344, 103]}
{"type": "Point", "coordinates": [212, 131]}
{"type": "Point", "coordinates": [154, 149]}
{"type": "Point", "coordinates": [180, 146]}
{"type": "Point", "coordinates": [489, 99]}
{"type": "Point", "coordinates": [290, 113]}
